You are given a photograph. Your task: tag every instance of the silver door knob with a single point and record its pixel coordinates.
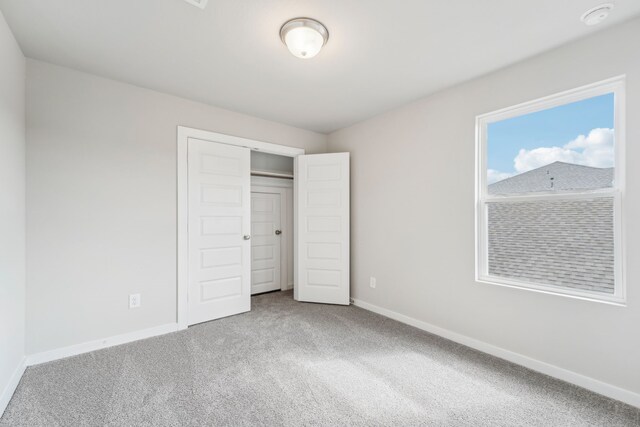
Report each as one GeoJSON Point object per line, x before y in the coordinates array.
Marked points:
{"type": "Point", "coordinates": [247, 237]}
{"type": "Point", "coordinates": [278, 232]}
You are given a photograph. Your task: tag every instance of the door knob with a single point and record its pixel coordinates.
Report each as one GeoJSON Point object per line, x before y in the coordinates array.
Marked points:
{"type": "Point", "coordinates": [247, 237]}
{"type": "Point", "coordinates": [278, 232]}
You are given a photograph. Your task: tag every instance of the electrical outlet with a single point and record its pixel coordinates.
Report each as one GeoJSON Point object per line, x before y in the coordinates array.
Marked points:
{"type": "Point", "coordinates": [134, 301]}
{"type": "Point", "coordinates": [372, 282]}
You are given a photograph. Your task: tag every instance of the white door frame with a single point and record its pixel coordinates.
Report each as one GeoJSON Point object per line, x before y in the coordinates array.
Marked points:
{"type": "Point", "coordinates": [272, 186]}
{"type": "Point", "coordinates": [184, 134]}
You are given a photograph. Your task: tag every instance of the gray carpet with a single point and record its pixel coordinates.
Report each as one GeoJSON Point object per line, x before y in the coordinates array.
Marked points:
{"type": "Point", "coordinates": [287, 363]}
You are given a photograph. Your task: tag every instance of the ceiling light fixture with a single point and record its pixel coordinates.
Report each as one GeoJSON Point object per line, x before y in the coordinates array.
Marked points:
{"type": "Point", "coordinates": [304, 37]}
{"type": "Point", "coordinates": [597, 14]}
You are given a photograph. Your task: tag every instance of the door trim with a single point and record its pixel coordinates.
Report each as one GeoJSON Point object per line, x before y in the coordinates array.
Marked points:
{"type": "Point", "coordinates": [284, 241]}
{"type": "Point", "coordinates": [183, 136]}
{"type": "Point", "coordinates": [284, 187]}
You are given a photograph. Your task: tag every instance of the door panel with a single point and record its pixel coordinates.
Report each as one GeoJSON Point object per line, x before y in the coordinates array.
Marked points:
{"type": "Point", "coordinates": [265, 243]}
{"type": "Point", "coordinates": [322, 227]}
{"type": "Point", "coordinates": [219, 217]}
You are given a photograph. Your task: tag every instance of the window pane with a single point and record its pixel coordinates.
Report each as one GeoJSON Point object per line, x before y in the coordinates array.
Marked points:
{"type": "Point", "coordinates": [561, 149]}
{"type": "Point", "coordinates": [565, 243]}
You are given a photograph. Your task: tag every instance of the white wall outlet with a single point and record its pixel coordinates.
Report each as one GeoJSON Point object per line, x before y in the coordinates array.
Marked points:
{"type": "Point", "coordinates": [134, 301]}
{"type": "Point", "coordinates": [372, 282]}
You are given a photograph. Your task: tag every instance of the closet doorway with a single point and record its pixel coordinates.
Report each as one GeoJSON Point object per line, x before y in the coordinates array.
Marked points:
{"type": "Point", "coordinates": [271, 222]}
{"type": "Point", "coordinates": [230, 230]}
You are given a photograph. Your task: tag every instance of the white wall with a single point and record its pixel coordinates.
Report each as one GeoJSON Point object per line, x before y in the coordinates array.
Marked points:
{"type": "Point", "coordinates": [101, 196]}
{"type": "Point", "coordinates": [12, 212]}
{"type": "Point", "coordinates": [413, 216]}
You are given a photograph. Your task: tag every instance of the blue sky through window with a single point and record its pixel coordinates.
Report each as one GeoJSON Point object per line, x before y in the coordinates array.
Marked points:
{"type": "Point", "coordinates": [580, 132]}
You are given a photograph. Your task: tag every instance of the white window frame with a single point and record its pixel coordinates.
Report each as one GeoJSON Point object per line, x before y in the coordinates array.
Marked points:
{"type": "Point", "coordinates": [614, 85]}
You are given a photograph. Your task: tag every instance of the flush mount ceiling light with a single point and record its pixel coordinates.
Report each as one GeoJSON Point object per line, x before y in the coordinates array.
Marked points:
{"type": "Point", "coordinates": [304, 37]}
{"type": "Point", "coordinates": [597, 14]}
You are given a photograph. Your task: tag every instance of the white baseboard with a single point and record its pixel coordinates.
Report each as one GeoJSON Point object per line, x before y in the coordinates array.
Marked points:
{"type": "Point", "coordinates": [11, 386]}
{"type": "Point", "coordinates": [74, 350]}
{"type": "Point", "coordinates": [589, 383]}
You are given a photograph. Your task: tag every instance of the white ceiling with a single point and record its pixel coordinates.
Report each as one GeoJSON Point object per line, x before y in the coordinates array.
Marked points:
{"type": "Point", "coordinates": [381, 53]}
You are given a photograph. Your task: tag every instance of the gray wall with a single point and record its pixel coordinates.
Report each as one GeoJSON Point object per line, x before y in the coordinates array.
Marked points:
{"type": "Point", "coordinates": [101, 197]}
{"type": "Point", "coordinates": [413, 216]}
{"type": "Point", "coordinates": [12, 207]}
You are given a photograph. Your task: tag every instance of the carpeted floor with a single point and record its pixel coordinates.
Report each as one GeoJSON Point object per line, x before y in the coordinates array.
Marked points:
{"type": "Point", "coordinates": [287, 363]}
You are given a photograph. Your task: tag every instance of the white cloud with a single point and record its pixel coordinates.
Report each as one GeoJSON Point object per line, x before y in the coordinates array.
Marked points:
{"type": "Point", "coordinates": [527, 160]}
{"type": "Point", "coordinates": [495, 176]}
{"type": "Point", "coordinates": [595, 149]}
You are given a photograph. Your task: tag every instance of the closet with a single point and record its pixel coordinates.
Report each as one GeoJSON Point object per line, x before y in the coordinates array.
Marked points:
{"type": "Point", "coordinates": [257, 217]}
{"type": "Point", "coordinates": [271, 222]}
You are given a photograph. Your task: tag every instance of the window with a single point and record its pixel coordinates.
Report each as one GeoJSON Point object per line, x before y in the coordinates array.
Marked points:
{"type": "Point", "coordinates": [549, 188]}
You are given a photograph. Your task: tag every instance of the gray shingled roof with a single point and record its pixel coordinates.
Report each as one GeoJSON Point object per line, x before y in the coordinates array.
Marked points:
{"type": "Point", "coordinates": [557, 176]}
{"type": "Point", "coordinates": [567, 243]}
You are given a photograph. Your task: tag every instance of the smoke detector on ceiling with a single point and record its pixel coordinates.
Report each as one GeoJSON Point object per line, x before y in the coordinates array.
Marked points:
{"type": "Point", "coordinates": [199, 3]}
{"type": "Point", "coordinates": [597, 14]}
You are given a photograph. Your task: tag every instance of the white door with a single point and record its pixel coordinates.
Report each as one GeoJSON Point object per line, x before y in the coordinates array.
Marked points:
{"type": "Point", "coordinates": [219, 225]}
{"type": "Point", "coordinates": [322, 227]}
{"type": "Point", "coordinates": [266, 235]}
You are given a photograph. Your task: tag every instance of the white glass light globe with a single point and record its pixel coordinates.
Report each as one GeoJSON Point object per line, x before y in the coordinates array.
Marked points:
{"type": "Point", "coordinates": [304, 42]}
{"type": "Point", "coordinates": [304, 37]}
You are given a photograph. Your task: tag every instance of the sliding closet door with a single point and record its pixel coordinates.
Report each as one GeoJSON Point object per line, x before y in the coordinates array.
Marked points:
{"type": "Point", "coordinates": [322, 227]}
{"type": "Point", "coordinates": [219, 230]}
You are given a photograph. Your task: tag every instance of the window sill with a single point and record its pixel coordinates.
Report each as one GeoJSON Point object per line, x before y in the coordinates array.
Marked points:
{"type": "Point", "coordinates": [553, 290]}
